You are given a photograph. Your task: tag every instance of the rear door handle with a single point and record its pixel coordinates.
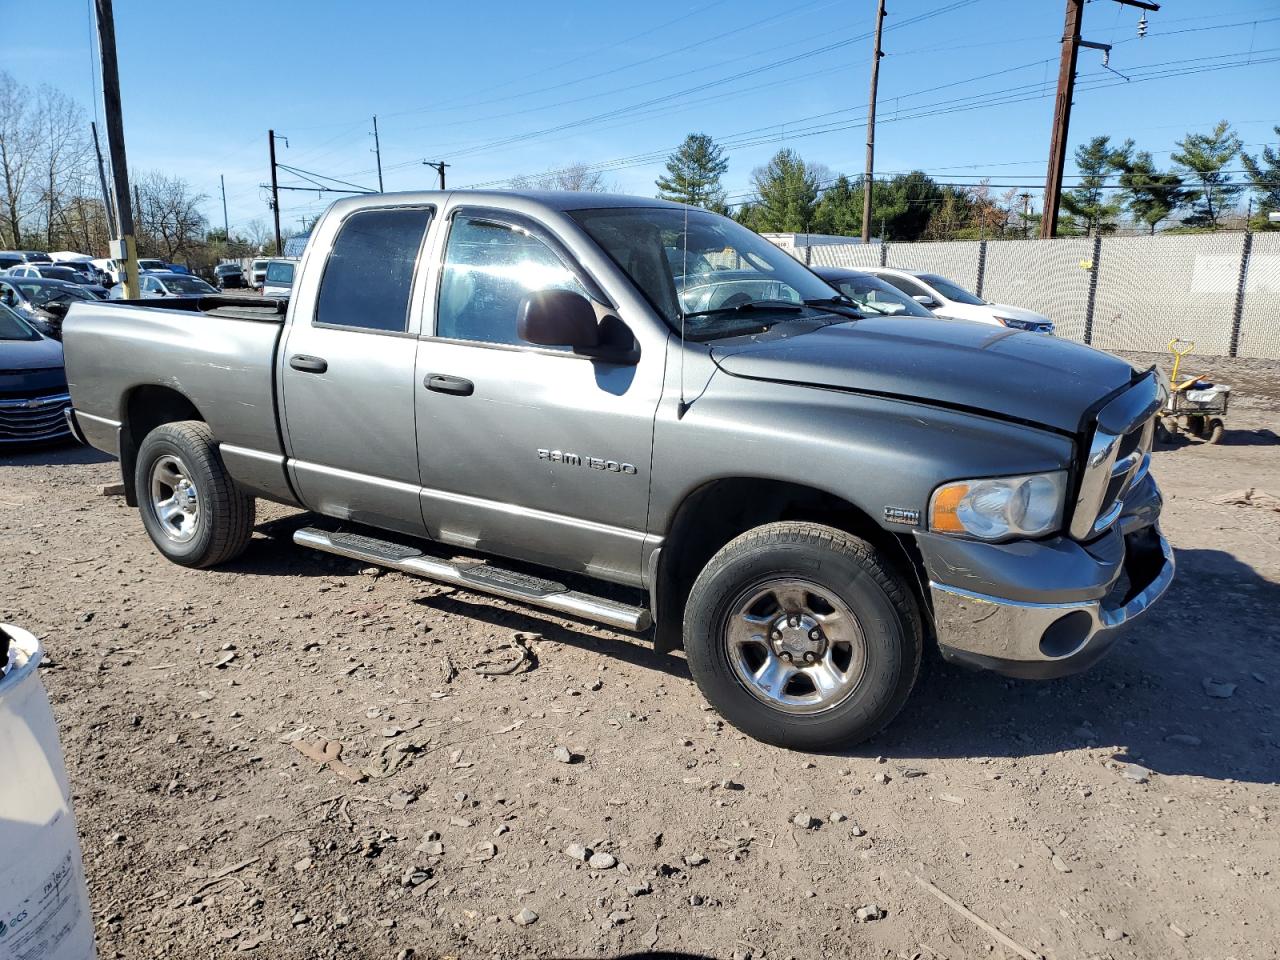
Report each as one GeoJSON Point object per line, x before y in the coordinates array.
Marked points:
{"type": "Point", "coordinates": [300, 361]}
{"type": "Point", "coordinates": [443, 383]}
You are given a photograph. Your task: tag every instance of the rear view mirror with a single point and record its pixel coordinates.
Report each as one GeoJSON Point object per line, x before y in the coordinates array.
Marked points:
{"type": "Point", "coordinates": [558, 318]}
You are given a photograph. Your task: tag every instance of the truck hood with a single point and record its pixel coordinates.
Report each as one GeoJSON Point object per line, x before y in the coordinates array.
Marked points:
{"type": "Point", "coordinates": [1007, 373]}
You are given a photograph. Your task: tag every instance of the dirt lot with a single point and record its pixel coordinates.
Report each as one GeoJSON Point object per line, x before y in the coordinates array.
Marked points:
{"type": "Point", "coordinates": [206, 833]}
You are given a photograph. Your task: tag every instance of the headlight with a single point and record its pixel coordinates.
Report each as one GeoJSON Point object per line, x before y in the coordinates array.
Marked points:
{"type": "Point", "coordinates": [1000, 508]}
{"type": "Point", "coordinates": [1017, 324]}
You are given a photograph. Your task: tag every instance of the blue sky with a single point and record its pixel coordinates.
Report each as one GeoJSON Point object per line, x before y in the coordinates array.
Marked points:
{"type": "Point", "coordinates": [504, 88]}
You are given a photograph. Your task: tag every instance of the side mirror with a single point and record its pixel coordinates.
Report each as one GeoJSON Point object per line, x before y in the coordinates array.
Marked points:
{"type": "Point", "coordinates": [558, 318]}
{"type": "Point", "coordinates": [925, 300]}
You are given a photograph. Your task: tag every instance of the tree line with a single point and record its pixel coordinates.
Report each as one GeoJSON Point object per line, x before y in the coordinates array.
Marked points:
{"type": "Point", "coordinates": [1199, 191]}
{"type": "Point", "coordinates": [51, 194]}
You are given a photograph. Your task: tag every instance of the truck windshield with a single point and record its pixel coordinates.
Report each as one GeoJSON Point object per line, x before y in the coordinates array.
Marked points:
{"type": "Point", "coordinates": [698, 267]}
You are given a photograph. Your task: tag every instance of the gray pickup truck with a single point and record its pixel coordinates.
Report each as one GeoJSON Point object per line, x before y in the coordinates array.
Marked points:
{"type": "Point", "coordinates": [644, 415]}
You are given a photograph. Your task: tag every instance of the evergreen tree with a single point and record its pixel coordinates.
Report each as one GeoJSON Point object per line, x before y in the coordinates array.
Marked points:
{"type": "Point", "coordinates": [1205, 157]}
{"type": "Point", "coordinates": [1089, 201]}
{"type": "Point", "coordinates": [1150, 194]}
{"type": "Point", "coordinates": [1264, 176]}
{"type": "Point", "coordinates": [788, 191]}
{"type": "Point", "coordinates": [694, 172]}
{"type": "Point", "coordinates": [839, 212]}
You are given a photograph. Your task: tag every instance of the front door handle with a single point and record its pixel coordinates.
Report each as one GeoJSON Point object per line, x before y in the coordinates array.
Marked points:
{"type": "Point", "coordinates": [300, 361]}
{"type": "Point", "coordinates": [443, 383]}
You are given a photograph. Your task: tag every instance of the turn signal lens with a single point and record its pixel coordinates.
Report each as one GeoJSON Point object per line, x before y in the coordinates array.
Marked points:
{"type": "Point", "coordinates": [946, 502]}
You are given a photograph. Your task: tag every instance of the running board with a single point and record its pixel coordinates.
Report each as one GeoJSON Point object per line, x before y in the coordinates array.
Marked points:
{"type": "Point", "coordinates": [477, 576]}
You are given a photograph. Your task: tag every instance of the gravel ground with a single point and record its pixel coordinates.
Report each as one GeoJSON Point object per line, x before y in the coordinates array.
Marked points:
{"type": "Point", "coordinates": [183, 697]}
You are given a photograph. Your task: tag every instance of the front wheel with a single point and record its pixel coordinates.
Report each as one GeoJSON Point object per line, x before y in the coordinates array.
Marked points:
{"type": "Point", "coordinates": [192, 509]}
{"type": "Point", "coordinates": [803, 636]}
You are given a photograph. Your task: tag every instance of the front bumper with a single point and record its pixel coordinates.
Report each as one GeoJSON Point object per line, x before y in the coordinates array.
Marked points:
{"type": "Point", "coordinates": [1065, 603]}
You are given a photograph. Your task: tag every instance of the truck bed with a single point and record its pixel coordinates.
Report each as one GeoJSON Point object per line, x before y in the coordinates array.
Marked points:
{"type": "Point", "coordinates": [219, 353]}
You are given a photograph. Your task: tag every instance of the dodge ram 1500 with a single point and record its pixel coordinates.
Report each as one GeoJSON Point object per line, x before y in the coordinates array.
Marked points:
{"type": "Point", "coordinates": [652, 418]}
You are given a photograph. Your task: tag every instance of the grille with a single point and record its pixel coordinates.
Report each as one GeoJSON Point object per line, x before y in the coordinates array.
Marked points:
{"type": "Point", "coordinates": [21, 421]}
{"type": "Point", "coordinates": [1118, 457]}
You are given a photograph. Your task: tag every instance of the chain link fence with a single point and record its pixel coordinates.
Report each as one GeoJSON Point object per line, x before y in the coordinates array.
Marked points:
{"type": "Point", "coordinates": [1221, 290]}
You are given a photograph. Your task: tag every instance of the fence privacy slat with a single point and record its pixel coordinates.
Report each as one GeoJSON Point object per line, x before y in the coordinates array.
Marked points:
{"type": "Point", "coordinates": [1148, 289]}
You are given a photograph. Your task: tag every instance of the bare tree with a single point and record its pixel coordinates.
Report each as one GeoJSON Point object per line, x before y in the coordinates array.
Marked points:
{"type": "Point", "coordinates": [577, 177]}
{"type": "Point", "coordinates": [63, 155]}
{"type": "Point", "coordinates": [172, 225]}
{"type": "Point", "coordinates": [17, 151]}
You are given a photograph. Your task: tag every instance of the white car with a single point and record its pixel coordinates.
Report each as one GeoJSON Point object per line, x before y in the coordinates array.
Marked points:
{"type": "Point", "coordinates": [952, 302]}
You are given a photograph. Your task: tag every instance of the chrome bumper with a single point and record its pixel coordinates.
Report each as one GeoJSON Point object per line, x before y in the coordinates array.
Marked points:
{"type": "Point", "coordinates": [1042, 640]}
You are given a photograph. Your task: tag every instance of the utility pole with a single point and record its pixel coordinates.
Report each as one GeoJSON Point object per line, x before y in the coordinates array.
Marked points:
{"type": "Point", "coordinates": [438, 166]}
{"type": "Point", "coordinates": [123, 247]}
{"type": "Point", "coordinates": [1071, 44]}
{"type": "Point", "coordinates": [275, 188]}
{"type": "Point", "coordinates": [226, 224]}
{"type": "Point", "coordinates": [377, 149]}
{"type": "Point", "coordinates": [869, 180]}
{"type": "Point", "coordinates": [102, 179]}
{"type": "Point", "coordinates": [1026, 213]}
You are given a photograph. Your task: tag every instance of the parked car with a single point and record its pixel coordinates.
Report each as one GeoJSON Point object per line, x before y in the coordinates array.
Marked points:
{"type": "Point", "coordinates": [953, 302]}
{"type": "Point", "coordinates": [801, 495]}
{"type": "Point", "coordinates": [871, 295]}
{"type": "Point", "coordinates": [36, 256]}
{"type": "Point", "coordinates": [58, 271]}
{"type": "Point", "coordinates": [151, 265]}
{"type": "Point", "coordinates": [41, 301]}
{"type": "Point", "coordinates": [258, 273]}
{"type": "Point", "coordinates": [230, 276]}
{"type": "Point", "coordinates": [11, 258]}
{"type": "Point", "coordinates": [176, 285]}
{"type": "Point", "coordinates": [278, 280]}
{"type": "Point", "coordinates": [33, 384]}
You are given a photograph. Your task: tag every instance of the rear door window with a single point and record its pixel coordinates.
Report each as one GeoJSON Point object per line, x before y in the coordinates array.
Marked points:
{"type": "Point", "coordinates": [909, 287]}
{"type": "Point", "coordinates": [369, 274]}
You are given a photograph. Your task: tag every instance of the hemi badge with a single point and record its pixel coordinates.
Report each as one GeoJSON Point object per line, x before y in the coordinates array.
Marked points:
{"type": "Point", "coordinates": [902, 515]}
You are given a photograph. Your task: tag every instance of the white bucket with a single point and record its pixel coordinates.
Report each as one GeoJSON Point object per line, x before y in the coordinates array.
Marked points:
{"type": "Point", "coordinates": [44, 903]}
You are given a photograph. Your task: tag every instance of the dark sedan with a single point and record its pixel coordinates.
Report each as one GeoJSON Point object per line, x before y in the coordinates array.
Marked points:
{"type": "Point", "coordinates": [42, 302]}
{"type": "Point", "coordinates": [33, 384]}
{"type": "Point", "coordinates": [57, 271]}
{"type": "Point", "coordinates": [230, 276]}
{"type": "Point", "coordinates": [871, 295]}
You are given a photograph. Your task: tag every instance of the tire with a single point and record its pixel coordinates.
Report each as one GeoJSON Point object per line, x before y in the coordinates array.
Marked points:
{"type": "Point", "coordinates": [193, 511]}
{"type": "Point", "coordinates": [1216, 429]}
{"type": "Point", "coordinates": [778, 584]}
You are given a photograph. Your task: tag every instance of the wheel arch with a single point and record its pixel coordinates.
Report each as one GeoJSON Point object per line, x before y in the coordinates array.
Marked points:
{"type": "Point", "coordinates": [144, 408]}
{"type": "Point", "coordinates": [717, 511]}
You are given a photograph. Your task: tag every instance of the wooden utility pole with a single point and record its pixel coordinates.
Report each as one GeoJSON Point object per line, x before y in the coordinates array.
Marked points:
{"type": "Point", "coordinates": [275, 189]}
{"type": "Point", "coordinates": [124, 248]}
{"type": "Point", "coordinates": [438, 166]}
{"type": "Point", "coordinates": [226, 223]}
{"type": "Point", "coordinates": [1071, 44]}
{"type": "Point", "coordinates": [107, 205]}
{"type": "Point", "coordinates": [869, 179]}
{"type": "Point", "coordinates": [377, 151]}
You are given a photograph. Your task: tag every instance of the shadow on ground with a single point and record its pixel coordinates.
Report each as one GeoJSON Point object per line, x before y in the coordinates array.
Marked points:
{"type": "Point", "coordinates": [51, 454]}
{"type": "Point", "coordinates": [1149, 698]}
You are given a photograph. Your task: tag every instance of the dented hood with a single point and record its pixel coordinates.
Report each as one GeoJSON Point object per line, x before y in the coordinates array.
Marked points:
{"type": "Point", "coordinates": [1007, 373]}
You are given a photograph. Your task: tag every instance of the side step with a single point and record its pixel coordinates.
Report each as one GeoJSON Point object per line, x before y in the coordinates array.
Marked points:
{"type": "Point", "coordinates": [477, 576]}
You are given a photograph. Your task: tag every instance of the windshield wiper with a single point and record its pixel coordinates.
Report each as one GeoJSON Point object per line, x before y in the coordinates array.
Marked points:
{"type": "Point", "coordinates": [788, 305]}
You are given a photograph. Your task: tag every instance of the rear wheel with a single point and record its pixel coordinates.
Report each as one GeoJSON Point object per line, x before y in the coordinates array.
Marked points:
{"type": "Point", "coordinates": [192, 509]}
{"type": "Point", "coordinates": [803, 636]}
{"type": "Point", "coordinates": [1215, 431]}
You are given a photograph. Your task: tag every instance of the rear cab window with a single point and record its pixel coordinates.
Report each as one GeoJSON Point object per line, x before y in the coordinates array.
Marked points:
{"type": "Point", "coordinates": [280, 274]}
{"type": "Point", "coordinates": [368, 277]}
